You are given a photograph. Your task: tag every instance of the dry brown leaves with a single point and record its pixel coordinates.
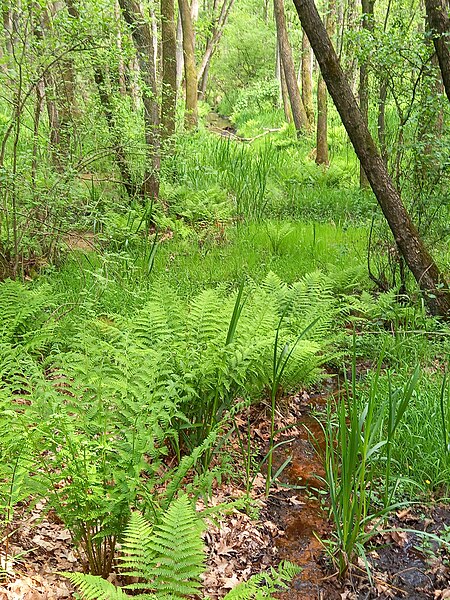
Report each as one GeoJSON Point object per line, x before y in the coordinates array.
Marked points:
{"type": "Point", "coordinates": [41, 548]}
{"type": "Point", "coordinates": [237, 545]}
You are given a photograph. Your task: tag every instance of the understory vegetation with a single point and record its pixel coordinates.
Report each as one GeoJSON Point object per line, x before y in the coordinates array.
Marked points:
{"type": "Point", "coordinates": [140, 332]}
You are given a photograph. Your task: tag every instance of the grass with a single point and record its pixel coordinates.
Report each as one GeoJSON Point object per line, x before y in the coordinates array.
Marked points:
{"type": "Point", "coordinates": [215, 257]}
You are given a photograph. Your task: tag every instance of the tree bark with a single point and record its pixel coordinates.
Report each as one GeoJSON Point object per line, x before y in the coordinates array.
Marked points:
{"type": "Point", "coordinates": [285, 95]}
{"type": "Point", "coordinates": [287, 62]}
{"type": "Point", "coordinates": [439, 23]}
{"type": "Point", "coordinates": [381, 119]}
{"type": "Point", "coordinates": [180, 58]}
{"type": "Point", "coordinates": [169, 69]}
{"type": "Point", "coordinates": [367, 23]}
{"type": "Point", "coordinates": [322, 129]}
{"type": "Point", "coordinates": [306, 71]}
{"type": "Point", "coordinates": [322, 99]}
{"type": "Point", "coordinates": [143, 42]}
{"type": "Point", "coordinates": [418, 259]}
{"type": "Point", "coordinates": [190, 72]}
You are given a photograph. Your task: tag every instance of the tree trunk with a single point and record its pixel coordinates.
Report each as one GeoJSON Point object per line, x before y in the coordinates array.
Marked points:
{"type": "Point", "coordinates": [285, 95]}
{"type": "Point", "coordinates": [216, 34]}
{"type": "Point", "coordinates": [143, 42]}
{"type": "Point", "coordinates": [367, 23]}
{"type": "Point", "coordinates": [417, 257]}
{"type": "Point", "coordinates": [322, 130]}
{"type": "Point", "coordinates": [127, 179]}
{"type": "Point", "coordinates": [439, 23]}
{"type": "Point", "coordinates": [120, 65]}
{"type": "Point", "coordinates": [180, 58]}
{"type": "Point", "coordinates": [8, 28]}
{"type": "Point", "coordinates": [306, 71]}
{"type": "Point", "coordinates": [322, 99]}
{"type": "Point", "coordinates": [287, 62]}
{"type": "Point", "coordinates": [190, 72]}
{"type": "Point", "coordinates": [169, 69]}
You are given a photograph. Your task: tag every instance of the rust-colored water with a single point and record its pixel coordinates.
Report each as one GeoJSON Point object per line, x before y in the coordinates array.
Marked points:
{"type": "Point", "coordinates": [302, 518]}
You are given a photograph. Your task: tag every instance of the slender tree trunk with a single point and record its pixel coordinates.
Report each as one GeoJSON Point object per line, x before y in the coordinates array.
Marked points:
{"type": "Point", "coordinates": [120, 65]}
{"type": "Point", "coordinates": [287, 62]}
{"type": "Point", "coordinates": [180, 57]}
{"type": "Point", "coordinates": [322, 99]}
{"type": "Point", "coordinates": [119, 152]}
{"type": "Point", "coordinates": [280, 77]}
{"type": "Point", "coordinates": [190, 72]}
{"type": "Point", "coordinates": [143, 42]}
{"type": "Point", "coordinates": [8, 28]}
{"type": "Point", "coordinates": [322, 129]}
{"type": "Point", "coordinates": [367, 23]}
{"type": "Point", "coordinates": [216, 34]}
{"type": "Point", "coordinates": [439, 22]}
{"type": "Point", "coordinates": [418, 259]}
{"type": "Point", "coordinates": [204, 83]}
{"type": "Point", "coordinates": [306, 73]}
{"type": "Point", "coordinates": [349, 23]}
{"type": "Point", "coordinates": [49, 87]}
{"type": "Point", "coordinates": [154, 28]}
{"type": "Point", "coordinates": [169, 69]}
{"type": "Point", "coordinates": [285, 95]}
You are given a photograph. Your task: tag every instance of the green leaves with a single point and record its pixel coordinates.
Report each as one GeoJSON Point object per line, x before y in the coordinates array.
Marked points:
{"type": "Point", "coordinates": [169, 559]}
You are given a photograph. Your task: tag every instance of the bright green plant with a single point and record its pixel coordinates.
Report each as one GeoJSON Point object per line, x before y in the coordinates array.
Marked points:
{"type": "Point", "coordinates": [398, 401]}
{"type": "Point", "coordinates": [444, 401]}
{"type": "Point", "coordinates": [169, 559]}
{"type": "Point", "coordinates": [359, 441]}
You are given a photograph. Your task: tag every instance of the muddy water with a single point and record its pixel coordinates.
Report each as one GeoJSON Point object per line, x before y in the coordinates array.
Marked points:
{"type": "Point", "coordinates": [299, 513]}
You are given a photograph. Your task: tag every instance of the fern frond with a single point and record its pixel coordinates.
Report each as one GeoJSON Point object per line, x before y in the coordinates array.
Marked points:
{"type": "Point", "coordinates": [92, 587]}
{"type": "Point", "coordinates": [137, 546]}
{"type": "Point", "coordinates": [177, 550]}
{"type": "Point", "coordinates": [205, 321]}
{"type": "Point", "coordinates": [264, 584]}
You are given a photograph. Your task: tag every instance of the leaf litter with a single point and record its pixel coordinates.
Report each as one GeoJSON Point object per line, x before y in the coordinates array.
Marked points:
{"type": "Point", "coordinates": [288, 526]}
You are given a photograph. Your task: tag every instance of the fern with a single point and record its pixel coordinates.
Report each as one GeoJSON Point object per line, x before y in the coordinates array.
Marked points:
{"type": "Point", "coordinates": [170, 560]}
{"type": "Point", "coordinates": [23, 312]}
{"type": "Point", "coordinates": [92, 587]}
{"type": "Point", "coordinates": [264, 584]}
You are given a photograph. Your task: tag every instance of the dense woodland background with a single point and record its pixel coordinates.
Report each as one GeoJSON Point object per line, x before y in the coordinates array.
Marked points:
{"type": "Point", "coordinates": [192, 232]}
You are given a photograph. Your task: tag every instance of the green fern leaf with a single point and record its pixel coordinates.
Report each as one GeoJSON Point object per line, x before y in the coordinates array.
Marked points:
{"type": "Point", "coordinates": [92, 587]}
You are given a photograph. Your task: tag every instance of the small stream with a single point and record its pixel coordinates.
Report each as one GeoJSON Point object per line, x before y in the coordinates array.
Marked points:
{"type": "Point", "coordinates": [220, 124]}
{"type": "Point", "coordinates": [298, 512]}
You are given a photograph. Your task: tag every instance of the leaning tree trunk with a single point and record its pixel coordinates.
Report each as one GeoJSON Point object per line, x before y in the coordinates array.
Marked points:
{"type": "Point", "coordinates": [287, 64]}
{"type": "Point", "coordinates": [218, 27]}
{"type": "Point", "coordinates": [143, 42]}
{"type": "Point", "coordinates": [418, 259]}
{"type": "Point", "coordinates": [169, 69]}
{"type": "Point", "coordinates": [439, 23]}
{"type": "Point", "coordinates": [190, 71]}
{"type": "Point", "coordinates": [367, 23]}
{"type": "Point", "coordinates": [280, 77]}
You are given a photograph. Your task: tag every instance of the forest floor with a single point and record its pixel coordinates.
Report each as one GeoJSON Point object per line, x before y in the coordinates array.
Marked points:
{"type": "Point", "coordinates": [290, 525]}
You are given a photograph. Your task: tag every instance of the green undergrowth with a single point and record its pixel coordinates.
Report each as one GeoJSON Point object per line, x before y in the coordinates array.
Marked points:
{"type": "Point", "coordinates": [93, 402]}
{"type": "Point", "coordinates": [192, 259]}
